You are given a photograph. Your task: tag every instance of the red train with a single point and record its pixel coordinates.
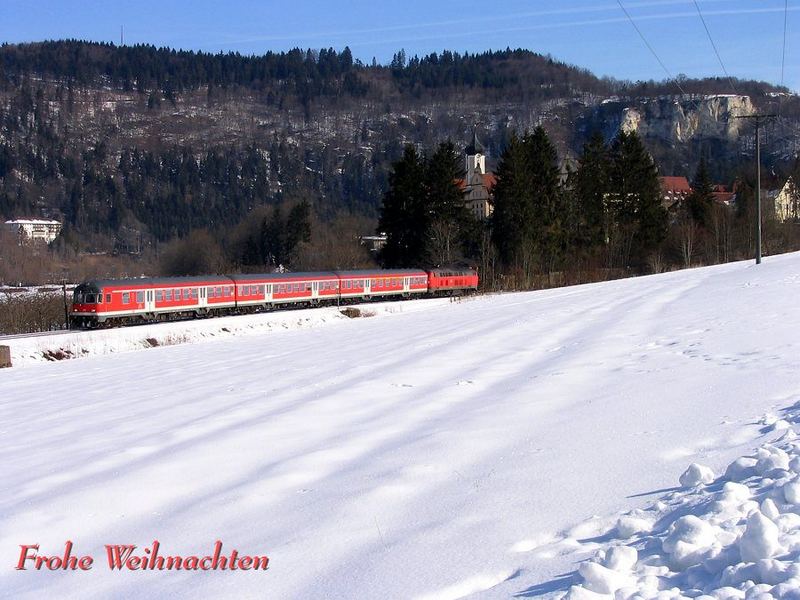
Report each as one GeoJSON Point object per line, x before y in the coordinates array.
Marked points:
{"type": "Point", "coordinates": [113, 302]}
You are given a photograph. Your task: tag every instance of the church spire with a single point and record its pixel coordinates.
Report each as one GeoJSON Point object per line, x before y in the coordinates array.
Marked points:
{"type": "Point", "coordinates": [475, 147]}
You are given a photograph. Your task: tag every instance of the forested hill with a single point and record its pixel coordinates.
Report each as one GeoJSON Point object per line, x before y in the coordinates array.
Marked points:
{"type": "Point", "coordinates": [149, 143]}
{"type": "Point", "coordinates": [518, 74]}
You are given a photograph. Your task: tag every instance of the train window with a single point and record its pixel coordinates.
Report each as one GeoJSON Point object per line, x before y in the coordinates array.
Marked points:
{"type": "Point", "coordinates": [179, 294]}
{"type": "Point", "coordinates": [126, 297]}
{"type": "Point", "coordinates": [139, 296]}
{"type": "Point", "coordinates": [108, 298]}
{"type": "Point", "coordinates": [159, 295]}
{"type": "Point", "coordinates": [194, 293]}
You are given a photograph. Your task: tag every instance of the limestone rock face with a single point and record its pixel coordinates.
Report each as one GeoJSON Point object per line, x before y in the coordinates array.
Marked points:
{"type": "Point", "coordinates": [680, 120]}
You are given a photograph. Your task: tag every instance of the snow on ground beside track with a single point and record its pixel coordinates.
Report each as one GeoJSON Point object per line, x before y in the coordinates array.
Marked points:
{"type": "Point", "coordinates": [494, 448]}
{"type": "Point", "coordinates": [81, 344]}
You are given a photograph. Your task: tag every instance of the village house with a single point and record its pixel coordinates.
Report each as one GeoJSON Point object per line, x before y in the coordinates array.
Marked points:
{"type": "Point", "coordinates": [674, 191]}
{"type": "Point", "coordinates": [786, 201]}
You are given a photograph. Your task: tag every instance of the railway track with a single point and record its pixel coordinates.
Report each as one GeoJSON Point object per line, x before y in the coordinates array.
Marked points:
{"type": "Point", "coordinates": [18, 336]}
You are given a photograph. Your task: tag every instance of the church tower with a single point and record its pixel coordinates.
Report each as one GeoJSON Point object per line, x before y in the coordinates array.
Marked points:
{"type": "Point", "coordinates": [476, 157]}
{"type": "Point", "coordinates": [477, 183]}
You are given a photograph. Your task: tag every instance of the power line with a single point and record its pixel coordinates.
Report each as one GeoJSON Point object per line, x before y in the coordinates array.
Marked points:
{"type": "Point", "coordinates": [783, 53]}
{"type": "Point", "coordinates": [714, 46]}
{"type": "Point", "coordinates": [649, 47]}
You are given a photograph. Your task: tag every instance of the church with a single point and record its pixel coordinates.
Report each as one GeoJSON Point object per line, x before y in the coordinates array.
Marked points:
{"type": "Point", "coordinates": [477, 184]}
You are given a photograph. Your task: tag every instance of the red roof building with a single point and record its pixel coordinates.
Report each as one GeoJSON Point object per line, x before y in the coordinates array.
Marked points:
{"type": "Point", "coordinates": [674, 191]}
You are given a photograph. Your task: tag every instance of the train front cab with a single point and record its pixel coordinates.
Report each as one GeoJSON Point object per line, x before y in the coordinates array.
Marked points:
{"type": "Point", "coordinates": [448, 281]}
{"type": "Point", "coordinates": [87, 302]}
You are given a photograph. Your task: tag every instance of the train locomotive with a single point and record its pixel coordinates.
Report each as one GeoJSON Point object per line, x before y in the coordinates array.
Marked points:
{"type": "Point", "coordinates": [113, 302]}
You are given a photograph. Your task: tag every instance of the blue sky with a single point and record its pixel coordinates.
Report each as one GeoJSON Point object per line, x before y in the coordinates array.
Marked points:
{"type": "Point", "coordinates": [595, 34]}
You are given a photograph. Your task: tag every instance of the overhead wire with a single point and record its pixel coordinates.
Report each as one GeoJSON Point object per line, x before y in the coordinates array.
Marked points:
{"type": "Point", "coordinates": [783, 53]}
{"type": "Point", "coordinates": [714, 46]}
{"type": "Point", "coordinates": [649, 47]}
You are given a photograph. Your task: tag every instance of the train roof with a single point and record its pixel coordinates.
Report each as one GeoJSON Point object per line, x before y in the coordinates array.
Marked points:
{"type": "Point", "coordinates": [290, 275]}
{"type": "Point", "coordinates": [379, 272]}
{"type": "Point", "coordinates": [139, 281]}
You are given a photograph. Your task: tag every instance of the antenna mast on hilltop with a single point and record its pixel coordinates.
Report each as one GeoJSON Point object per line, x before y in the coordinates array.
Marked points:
{"type": "Point", "coordinates": [121, 36]}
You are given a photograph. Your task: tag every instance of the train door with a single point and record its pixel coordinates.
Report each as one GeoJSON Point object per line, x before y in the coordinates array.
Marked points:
{"type": "Point", "coordinates": [406, 284]}
{"type": "Point", "coordinates": [315, 289]}
{"type": "Point", "coordinates": [149, 303]}
{"type": "Point", "coordinates": [201, 296]}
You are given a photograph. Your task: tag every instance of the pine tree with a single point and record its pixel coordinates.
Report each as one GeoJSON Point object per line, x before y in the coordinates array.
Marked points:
{"type": "Point", "coordinates": [701, 201]}
{"type": "Point", "coordinates": [446, 212]}
{"type": "Point", "coordinates": [298, 227]}
{"type": "Point", "coordinates": [590, 186]}
{"type": "Point", "coordinates": [548, 207]}
{"type": "Point", "coordinates": [404, 215]}
{"type": "Point", "coordinates": [640, 221]}
{"type": "Point", "coordinates": [512, 218]}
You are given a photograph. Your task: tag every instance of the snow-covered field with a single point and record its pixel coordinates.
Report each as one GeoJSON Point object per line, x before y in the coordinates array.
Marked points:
{"type": "Point", "coordinates": [506, 446]}
{"type": "Point", "coordinates": [81, 344]}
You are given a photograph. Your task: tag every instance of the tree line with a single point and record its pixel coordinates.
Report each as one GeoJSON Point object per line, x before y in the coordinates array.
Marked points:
{"type": "Point", "coordinates": [605, 215]}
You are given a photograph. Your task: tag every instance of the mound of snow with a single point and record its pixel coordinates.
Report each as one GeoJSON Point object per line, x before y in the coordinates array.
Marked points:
{"type": "Point", "coordinates": [696, 475]}
{"type": "Point", "coordinates": [739, 541]}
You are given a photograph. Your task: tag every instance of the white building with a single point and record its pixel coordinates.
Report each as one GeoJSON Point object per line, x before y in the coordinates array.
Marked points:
{"type": "Point", "coordinates": [787, 202]}
{"type": "Point", "coordinates": [34, 229]}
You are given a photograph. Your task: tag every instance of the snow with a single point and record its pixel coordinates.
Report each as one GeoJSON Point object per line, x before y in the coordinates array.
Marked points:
{"type": "Point", "coordinates": [513, 445]}
{"type": "Point", "coordinates": [696, 475]}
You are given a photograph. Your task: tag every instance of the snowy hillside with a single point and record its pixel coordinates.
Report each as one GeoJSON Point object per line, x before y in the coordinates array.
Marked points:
{"type": "Point", "coordinates": [501, 446]}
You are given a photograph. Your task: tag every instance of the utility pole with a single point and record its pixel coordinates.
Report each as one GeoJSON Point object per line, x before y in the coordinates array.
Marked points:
{"type": "Point", "coordinates": [66, 308]}
{"type": "Point", "coordinates": [758, 118]}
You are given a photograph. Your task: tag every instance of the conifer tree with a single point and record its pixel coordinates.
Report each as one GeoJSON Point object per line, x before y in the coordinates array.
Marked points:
{"type": "Point", "coordinates": [512, 218]}
{"type": "Point", "coordinates": [403, 215]}
{"type": "Point", "coordinates": [548, 228]}
{"type": "Point", "coordinates": [298, 226]}
{"type": "Point", "coordinates": [446, 211]}
{"type": "Point", "coordinates": [640, 221]}
{"type": "Point", "coordinates": [701, 201]}
{"type": "Point", "coordinates": [590, 186]}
